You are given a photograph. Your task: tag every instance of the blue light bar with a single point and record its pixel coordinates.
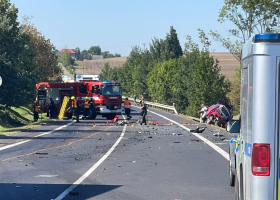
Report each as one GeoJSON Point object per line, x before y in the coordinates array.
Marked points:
{"type": "Point", "coordinates": [106, 81]}
{"type": "Point", "coordinates": [266, 36]}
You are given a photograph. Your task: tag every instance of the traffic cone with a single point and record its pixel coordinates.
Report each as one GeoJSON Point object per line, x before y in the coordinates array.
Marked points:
{"type": "Point", "coordinates": [184, 123]}
{"type": "Point", "coordinates": [107, 124]}
{"type": "Point", "coordinates": [94, 123]}
{"type": "Point", "coordinates": [169, 122]}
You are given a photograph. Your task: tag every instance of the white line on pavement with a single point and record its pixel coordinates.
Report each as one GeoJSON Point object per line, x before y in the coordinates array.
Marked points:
{"type": "Point", "coordinates": [83, 177]}
{"type": "Point", "coordinates": [22, 142]}
{"type": "Point", "coordinates": [211, 144]}
{"type": "Point", "coordinates": [12, 145]}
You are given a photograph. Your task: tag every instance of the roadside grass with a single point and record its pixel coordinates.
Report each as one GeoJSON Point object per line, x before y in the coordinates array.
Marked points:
{"type": "Point", "coordinates": [14, 120]}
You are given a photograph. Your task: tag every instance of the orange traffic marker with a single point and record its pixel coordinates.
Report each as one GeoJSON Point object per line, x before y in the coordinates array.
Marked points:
{"type": "Point", "coordinates": [184, 123]}
{"type": "Point", "coordinates": [107, 124]}
{"type": "Point", "coordinates": [169, 122]}
{"type": "Point", "coordinates": [94, 123]}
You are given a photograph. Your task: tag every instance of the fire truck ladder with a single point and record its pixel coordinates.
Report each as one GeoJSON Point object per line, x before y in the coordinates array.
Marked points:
{"type": "Point", "coordinates": [63, 107]}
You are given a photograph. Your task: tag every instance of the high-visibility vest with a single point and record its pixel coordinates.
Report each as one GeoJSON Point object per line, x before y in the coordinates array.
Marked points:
{"type": "Point", "coordinates": [36, 108]}
{"type": "Point", "coordinates": [126, 104]}
{"type": "Point", "coordinates": [86, 104]}
{"type": "Point", "coordinates": [74, 103]}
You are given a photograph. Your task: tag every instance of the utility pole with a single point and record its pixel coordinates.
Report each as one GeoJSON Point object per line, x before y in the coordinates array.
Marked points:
{"type": "Point", "coordinates": [144, 44]}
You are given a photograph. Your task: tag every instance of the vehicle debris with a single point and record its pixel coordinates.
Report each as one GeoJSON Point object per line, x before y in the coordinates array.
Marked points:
{"type": "Point", "coordinates": [42, 153]}
{"type": "Point", "coordinates": [79, 159]}
{"type": "Point", "coordinates": [73, 193]}
{"type": "Point", "coordinates": [194, 140]}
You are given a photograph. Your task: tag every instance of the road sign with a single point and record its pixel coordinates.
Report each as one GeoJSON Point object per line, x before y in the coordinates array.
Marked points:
{"type": "Point", "coordinates": [0, 81]}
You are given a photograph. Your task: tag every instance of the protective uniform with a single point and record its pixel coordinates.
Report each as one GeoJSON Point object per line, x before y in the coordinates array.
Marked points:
{"type": "Point", "coordinates": [86, 107]}
{"type": "Point", "coordinates": [73, 105]}
{"type": "Point", "coordinates": [77, 111]}
{"type": "Point", "coordinates": [36, 111]}
{"type": "Point", "coordinates": [143, 112]}
{"type": "Point", "coordinates": [127, 107]}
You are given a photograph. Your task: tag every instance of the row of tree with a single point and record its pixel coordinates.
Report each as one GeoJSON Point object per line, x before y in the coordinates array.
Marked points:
{"type": "Point", "coordinates": [26, 57]}
{"type": "Point", "coordinates": [93, 50]}
{"type": "Point", "coordinates": [169, 75]}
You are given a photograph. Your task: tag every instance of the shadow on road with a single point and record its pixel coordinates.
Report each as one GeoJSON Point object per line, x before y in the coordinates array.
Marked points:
{"type": "Point", "coordinates": [15, 191]}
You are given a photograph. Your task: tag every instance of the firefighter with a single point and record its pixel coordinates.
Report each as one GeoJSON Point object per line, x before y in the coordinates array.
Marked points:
{"type": "Point", "coordinates": [86, 107]}
{"type": "Point", "coordinates": [127, 107]}
{"type": "Point", "coordinates": [143, 108]}
{"type": "Point", "coordinates": [73, 105]}
{"type": "Point", "coordinates": [51, 109]}
{"type": "Point", "coordinates": [77, 110]}
{"type": "Point", "coordinates": [36, 111]}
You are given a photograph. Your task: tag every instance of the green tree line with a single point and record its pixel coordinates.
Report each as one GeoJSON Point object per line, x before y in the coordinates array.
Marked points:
{"type": "Point", "coordinates": [26, 57]}
{"type": "Point", "coordinates": [167, 73]}
{"type": "Point", "coordinates": [93, 50]}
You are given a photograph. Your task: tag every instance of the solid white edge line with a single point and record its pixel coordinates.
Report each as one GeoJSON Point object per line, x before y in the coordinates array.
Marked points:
{"type": "Point", "coordinates": [83, 177]}
{"type": "Point", "coordinates": [12, 145]}
{"type": "Point", "coordinates": [19, 143]}
{"type": "Point", "coordinates": [206, 141]}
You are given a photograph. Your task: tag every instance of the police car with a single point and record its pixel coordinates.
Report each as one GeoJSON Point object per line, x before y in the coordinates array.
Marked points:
{"type": "Point", "coordinates": [254, 150]}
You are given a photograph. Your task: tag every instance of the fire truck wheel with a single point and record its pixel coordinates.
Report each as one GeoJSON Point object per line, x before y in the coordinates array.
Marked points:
{"type": "Point", "coordinates": [110, 116]}
{"type": "Point", "coordinates": [92, 114]}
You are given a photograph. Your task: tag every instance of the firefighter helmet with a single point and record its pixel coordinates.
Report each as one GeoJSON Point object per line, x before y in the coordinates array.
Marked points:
{"type": "Point", "coordinates": [35, 101]}
{"type": "Point", "coordinates": [86, 98]}
{"type": "Point", "coordinates": [72, 97]}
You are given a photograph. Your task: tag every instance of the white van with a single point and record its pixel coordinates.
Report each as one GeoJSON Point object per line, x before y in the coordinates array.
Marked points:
{"type": "Point", "coordinates": [254, 151]}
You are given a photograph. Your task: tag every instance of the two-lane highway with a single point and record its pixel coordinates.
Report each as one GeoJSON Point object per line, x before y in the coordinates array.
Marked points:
{"type": "Point", "coordinates": [82, 161]}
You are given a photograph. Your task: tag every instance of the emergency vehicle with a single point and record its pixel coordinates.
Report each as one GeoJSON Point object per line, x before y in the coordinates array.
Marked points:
{"type": "Point", "coordinates": [105, 95]}
{"type": "Point", "coordinates": [254, 150]}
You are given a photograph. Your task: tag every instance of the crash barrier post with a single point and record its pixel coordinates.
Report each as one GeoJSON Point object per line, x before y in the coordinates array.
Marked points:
{"type": "Point", "coordinates": [157, 105]}
{"type": "Point", "coordinates": [63, 107]}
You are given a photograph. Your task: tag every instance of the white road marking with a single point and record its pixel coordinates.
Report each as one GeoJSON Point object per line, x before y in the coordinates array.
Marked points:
{"type": "Point", "coordinates": [12, 145]}
{"type": "Point", "coordinates": [22, 142]}
{"type": "Point", "coordinates": [206, 141]}
{"type": "Point", "coordinates": [94, 167]}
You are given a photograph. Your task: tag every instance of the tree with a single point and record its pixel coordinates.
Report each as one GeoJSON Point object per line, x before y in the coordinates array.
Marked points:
{"type": "Point", "coordinates": [117, 55]}
{"type": "Point", "coordinates": [17, 67]}
{"type": "Point", "coordinates": [95, 50]}
{"type": "Point", "coordinates": [66, 59]}
{"type": "Point", "coordinates": [249, 17]}
{"type": "Point", "coordinates": [77, 53]}
{"type": "Point", "coordinates": [173, 48]}
{"type": "Point", "coordinates": [157, 49]}
{"type": "Point", "coordinates": [234, 94]}
{"type": "Point", "coordinates": [45, 59]}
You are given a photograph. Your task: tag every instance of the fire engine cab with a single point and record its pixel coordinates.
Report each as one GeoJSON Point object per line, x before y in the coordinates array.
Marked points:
{"type": "Point", "coordinates": [105, 97]}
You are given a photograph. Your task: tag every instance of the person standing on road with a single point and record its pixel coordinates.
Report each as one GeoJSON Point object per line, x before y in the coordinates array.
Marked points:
{"type": "Point", "coordinates": [35, 111]}
{"type": "Point", "coordinates": [86, 107]}
{"type": "Point", "coordinates": [127, 106]}
{"type": "Point", "coordinates": [51, 109]}
{"type": "Point", "coordinates": [73, 106]}
{"type": "Point", "coordinates": [77, 111]}
{"type": "Point", "coordinates": [134, 98]}
{"type": "Point", "coordinates": [143, 111]}
{"type": "Point", "coordinates": [203, 111]}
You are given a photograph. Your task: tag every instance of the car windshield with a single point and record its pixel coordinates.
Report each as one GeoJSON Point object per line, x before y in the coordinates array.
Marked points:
{"type": "Point", "coordinates": [111, 90]}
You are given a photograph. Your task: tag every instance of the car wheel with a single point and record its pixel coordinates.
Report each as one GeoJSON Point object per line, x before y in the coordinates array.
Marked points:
{"type": "Point", "coordinates": [236, 191]}
{"type": "Point", "coordinates": [231, 175]}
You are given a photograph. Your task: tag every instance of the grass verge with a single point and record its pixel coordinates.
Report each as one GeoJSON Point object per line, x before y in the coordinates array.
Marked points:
{"type": "Point", "coordinates": [14, 120]}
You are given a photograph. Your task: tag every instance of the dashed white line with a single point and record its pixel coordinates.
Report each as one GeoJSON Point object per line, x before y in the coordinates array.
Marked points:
{"type": "Point", "coordinates": [22, 142]}
{"type": "Point", "coordinates": [83, 177]}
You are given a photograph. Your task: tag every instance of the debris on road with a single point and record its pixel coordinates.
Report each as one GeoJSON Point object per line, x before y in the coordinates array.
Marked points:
{"type": "Point", "coordinates": [218, 134]}
{"type": "Point", "coordinates": [198, 130]}
{"type": "Point", "coordinates": [42, 153]}
{"type": "Point", "coordinates": [150, 137]}
{"type": "Point", "coordinates": [79, 159]}
{"type": "Point", "coordinates": [177, 142]}
{"type": "Point", "coordinates": [194, 140]}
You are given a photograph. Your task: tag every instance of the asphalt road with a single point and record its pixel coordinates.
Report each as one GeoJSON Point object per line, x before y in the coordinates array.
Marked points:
{"type": "Point", "coordinates": [82, 161]}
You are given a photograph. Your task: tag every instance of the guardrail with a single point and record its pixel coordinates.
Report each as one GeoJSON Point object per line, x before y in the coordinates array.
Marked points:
{"type": "Point", "coordinates": [157, 105]}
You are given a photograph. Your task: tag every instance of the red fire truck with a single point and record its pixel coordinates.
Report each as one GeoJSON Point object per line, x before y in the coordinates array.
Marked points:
{"type": "Point", "coordinates": [105, 95]}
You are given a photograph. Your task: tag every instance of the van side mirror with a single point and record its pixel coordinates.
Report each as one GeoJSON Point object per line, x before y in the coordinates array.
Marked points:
{"type": "Point", "coordinates": [233, 126]}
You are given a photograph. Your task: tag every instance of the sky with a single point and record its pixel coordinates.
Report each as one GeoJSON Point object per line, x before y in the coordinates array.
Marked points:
{"type": "Point", "coordinates": [117, 25]}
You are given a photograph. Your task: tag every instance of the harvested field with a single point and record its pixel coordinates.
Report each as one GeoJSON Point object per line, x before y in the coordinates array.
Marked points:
{"type": "Point", "coordinates": [227, 62]}
{"type": "Point", "coordinates": [95, 66]}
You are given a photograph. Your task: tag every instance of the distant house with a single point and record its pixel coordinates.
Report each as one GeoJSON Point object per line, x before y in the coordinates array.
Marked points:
{"type": "Point", "coordinates": [70, 51]}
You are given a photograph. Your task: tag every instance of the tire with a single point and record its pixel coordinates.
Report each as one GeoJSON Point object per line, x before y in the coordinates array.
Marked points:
{"type": "Point", "coordinates": [231, 175]}
{"type": "Point", "coordinates": [110, 116]}
{"type": "Point", "coordinates": [236, 191]}
{"type": "Point", "coordinates": [209, 120]}
{"type": "Point", "coordinates": [92, 113]}
{"type": "Point", "coordinates": [217, 123]}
